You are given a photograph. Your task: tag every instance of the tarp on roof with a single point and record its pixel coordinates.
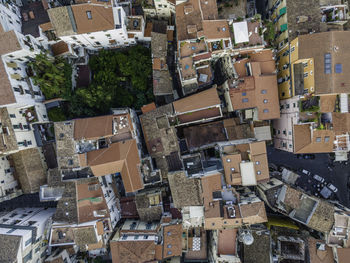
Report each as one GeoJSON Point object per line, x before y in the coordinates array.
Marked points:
{"type": "Point", "coordinates": [240, 31]}
{"type": "Point", "coordinates": [247, 173]}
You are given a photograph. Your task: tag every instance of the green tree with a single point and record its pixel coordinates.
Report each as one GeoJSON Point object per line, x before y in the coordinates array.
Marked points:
{"type": "Point", "coordinates": [52, 75]}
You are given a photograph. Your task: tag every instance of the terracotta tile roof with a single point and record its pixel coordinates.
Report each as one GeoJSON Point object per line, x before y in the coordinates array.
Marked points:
{"type": "Point", "coordinates": [343, 255]}
{"type": "Point", "coordinates": [305, 141]}
{"type": "Point", "coordinates": [90, 198]}
{"type": "Point", "coordinates": [188, 13]}
{"type": "Point", "coordinates": [62, 21]}
{"type": "Point", "coordinates": [9, 42]}
{"type": "Point", "coordinates": [102, 18]}
{"type": "Point", "coordinates": [148, 29]}
{"type": "Point", "coordinates": [59, 48]}
{"type": "Point", "coordinates": [93, 128]}
{"type": "Point", "coordinates": [334, 43]}
{"type": "Point", "coordinates": [216, 29]}
{"type": "Point", "coordinates": [133, 251]}
{"type": "Point", "coordinates": [204, 99]}
{"type": "Point", "coordinates": [121, 157]}
{"type": "Point", "coordinates": [253, 213]}
{"type": "Point", "coordinates": [185, 191]}
{"type": "Point", "coordinates": [320, 256]}
{"type": "Point", "coordinates": [323, 218]}
{"type": "Point", "coordinates": [172, 240]}
{"type": "Point", "coordinates": [227, 241]}
{"type": "Point", "coordinates": [209, 9]}
{"type": "Point", "coordinates": [7, 95]}
{"type": "Point", "coordinates": [327, 103]}
{"type": "Point", "coordinates": [341, 122]}
{"type": "Point", "coordinates": [148, 107]}
{"type": "Point", "coordinates": [259, 90]}
{"type": "Point", "coordinates": [210, 184]}
{"type": "Point", "coordinates": [29, 170]}
{"type": "Point", "coordinates": [257, 155]}
{"type": "Point", "coordinates": [46, 26]}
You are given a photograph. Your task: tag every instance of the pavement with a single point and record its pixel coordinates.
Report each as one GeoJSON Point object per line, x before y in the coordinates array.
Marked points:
{"type": "Point", "coordinates": [338, 176]}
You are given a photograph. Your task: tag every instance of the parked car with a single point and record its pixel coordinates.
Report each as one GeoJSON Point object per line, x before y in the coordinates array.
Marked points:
{"type": "Point", "coordinates": [332, 187]}
{"type": "Point", "coordinates": [306, 156]}
{"type": "Point", "coordinates": [318, 178]}
{"type": "Point", "coordinates": [303, 171]}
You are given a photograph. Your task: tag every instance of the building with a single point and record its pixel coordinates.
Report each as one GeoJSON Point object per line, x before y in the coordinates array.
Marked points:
{"type": "Point", "coordinates": [199, 35]}
{"type": "Point", "coordinates": [101, 146]}
{"type": "Point", "coordinates": [245, 164]}
{"type": "Point", "coordinates": [17, 86]}
{"type": "Point", "coordinates": [162, 80]}
{"type": "Point", "coordinates": [225, 208]}
{"type": "Point", "coordinates": [24, 234]}
{"type": "Point", "coordinates": [18, 124]}
{"type": "Point", "coordinates": [10, 17]}
{"type": "Point", "coordinates": [283, 127]}
{"type": "Point", "coordinates": [140, 241]}
{"type": "Point", "coordinates": [96, 25]}
{"type": "Point", "coordinates": [255, 89]}
{"type": "Point", "coordinates": [297, 18]}
{"type": "Point", "coordinates": [163, 9]}
{"type": "Point", "coordinates": [86, 212]}
{"type": "Point", "coordinates": [329, 220]}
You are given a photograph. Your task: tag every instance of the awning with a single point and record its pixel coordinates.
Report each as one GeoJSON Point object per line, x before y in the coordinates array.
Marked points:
{"type": "Point", "coordinates": [16, 76]}
{"type": "Point", "coordinates": [11, 64]}
{"type": "Point", "coordinates": [283, 27]}
{"type": "Point", "coordinates": [283, 10]}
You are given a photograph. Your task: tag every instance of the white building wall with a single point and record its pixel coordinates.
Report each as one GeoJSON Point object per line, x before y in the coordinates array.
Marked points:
{"type": "Point", "coordinates": [283, 127]}
{"type": "Point", "coordinates": [7, 180]}
{"type": "Point", "coordinates": [10, 16]}
{"type": "Point", "coordinates": [36, 217]}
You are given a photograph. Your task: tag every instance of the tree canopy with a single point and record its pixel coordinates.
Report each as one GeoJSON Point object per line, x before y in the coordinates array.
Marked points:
{"type": "Point", "coordinates": [53, 75]}
{"type": "Point", "coordinates": [119, 79]}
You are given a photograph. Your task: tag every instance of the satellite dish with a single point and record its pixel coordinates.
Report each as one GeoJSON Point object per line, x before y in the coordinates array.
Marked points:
{"type": "Point", "coordinates": [246, 237]}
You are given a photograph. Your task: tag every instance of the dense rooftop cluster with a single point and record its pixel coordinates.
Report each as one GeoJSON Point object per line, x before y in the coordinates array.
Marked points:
{"type": "Point", "coordinates": [189, 177]}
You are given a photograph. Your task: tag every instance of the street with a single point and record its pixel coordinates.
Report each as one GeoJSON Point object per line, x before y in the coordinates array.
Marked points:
{"type": "Point", "coordinates": [338, 177]}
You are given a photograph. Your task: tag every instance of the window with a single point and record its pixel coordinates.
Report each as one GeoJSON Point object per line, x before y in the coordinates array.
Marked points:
{"type": "Point", "coordinates": [258, 172]}
{"type": "Point", "coordinates": [318, 139]}
{"type": "Point", "coordinates": [29, 142]}
{"type": "Point", "coordinates": [287, 106]}
{"type": "Point", "coordinates": [28, 242]}
{"type": "Point", "coordinates": [37, 249]}
{"type": "Point", "coordinates": [13, 116]}
{"type": "Point", "coordinates": [74, 38]}
{"type": "Point", "coordinates": [306, 75]}
{"type": "Point", "coordinates": [27, 257]}
{"type": "Point", "coordinates": [326, 139]}
{"type": "Point", "coordinates": [168, 246]}
{"type": "Point", "coordinates": [294, 104]}
{"type": "Point", "coordinates": [168, 233]}
{"type": "Point", "coordinates": [266, 110]}
{"type": "Point", "coordinates": [290, 146]}
{"type": "Point", "coordinates": [264, 91]}
{"type": "Point", "coordinates": [290, 132]}
{"type": "Point", "coordinates": [92, 37]}
{"type": "Point", "coordinates": [244, 93]}
{"type": "Point", "coordinates": [257, 162]}
{"type": "Point", "coordinates": [145, 237]}
{"type": "Point", "coordinates": [148, 226]}
{"type": "Point", "coordinates": [15, 126]}
{"type": "Point", "coordinates": [292, 49]}
{"type": "Point", "coordinates": [108, 35]}
{"type": "Point", "coordinates": [245, 100]}
{"type": "Point", "coordinates": [89, 16]}
{"type": "Point", "coordinates": [305, 64]}
{"type": "Point", "coordinates": [98, 43]}
{"type": "Point", "coordinates": [266, 101]}
{"type": "Point", "coordinates": [169, 252]}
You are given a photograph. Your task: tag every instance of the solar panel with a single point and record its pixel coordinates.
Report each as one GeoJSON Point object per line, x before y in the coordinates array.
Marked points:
{"type": "Point", "coordinates": [327, 63]}
{"type": "Point", "coordinates": [338, 68]}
